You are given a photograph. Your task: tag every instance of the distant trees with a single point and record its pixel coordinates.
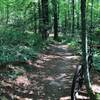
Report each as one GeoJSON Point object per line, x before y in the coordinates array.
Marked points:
{"type": "Point", "coordinates": [40, 16]}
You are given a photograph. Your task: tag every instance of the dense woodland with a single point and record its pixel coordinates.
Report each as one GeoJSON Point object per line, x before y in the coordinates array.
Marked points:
{"type": "Point", "coordinates": [28, 27]}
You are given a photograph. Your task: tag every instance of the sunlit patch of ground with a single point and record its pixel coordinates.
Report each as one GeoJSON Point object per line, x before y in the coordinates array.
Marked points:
{"type": "Point", "coordinates": [78, 98]}
{"type": "Point", "coordinates": [96, 88]}
{"type": "Point", "coordinates": [96, 82]}
{"type": "Point", "coordinates": [22, 80]}
{"type": "Point", "coordinates": [65, 98]}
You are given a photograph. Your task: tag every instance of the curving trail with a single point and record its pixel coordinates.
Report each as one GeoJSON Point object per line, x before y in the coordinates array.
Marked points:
{"type": "Point", "coordinates": [57, 67]}
{"type": "Point", "coordinates": [50, 77]}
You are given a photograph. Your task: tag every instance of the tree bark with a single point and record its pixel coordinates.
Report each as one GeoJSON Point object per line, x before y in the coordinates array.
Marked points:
{"type": "Point", "coordinates": [85, 50]}
{"type": "Point", "coordinates": [44, 18]}
{"type": "Point", "coordinates": [73, 18]}
{"type": "Point", "coordinates": [7, 14]}
{"type": "Point", "coordinates": [69, 17]}
{"type": "Point", "coordinates": [39, 14]}
{"type": "Point", "coordinates": [66, 20]}
{"type": "Point", "coordinates": [55, 19]}
{"type": "Point", "coordinates": [78, 15]}
{"type": "Point", "coordinates": [35, 19]}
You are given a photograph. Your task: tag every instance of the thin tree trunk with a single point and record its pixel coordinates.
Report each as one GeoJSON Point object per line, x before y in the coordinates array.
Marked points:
{"type": "Point", "coordinates": [7, 15]}
{"type": "Point", "coordinates": [91, 14]}
{"type": "Point", "coordinates": [98, 12]}
{"type": "Point", "coordinates": [39, 12]}
{"type": "Point", "coordinates": [55, 19]}
{"type": "Point", "coordinates": [44, 18]}
{"type": "Point", "coordinates": [78, 15]}
{"type": "Point", "coordinates": [55, 26]}
{"type": "Point", "coordinates": [35, 19]}
{"type": "Point", "coordinates": [66, 22]}
{"type": "Point", "coordinates": [69, 17]}
{"type": "Point", "coordinates": [73, 18]}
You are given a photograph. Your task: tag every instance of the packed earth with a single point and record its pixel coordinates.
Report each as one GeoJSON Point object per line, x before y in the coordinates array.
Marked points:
{"type": "Point", "coordinates": [50, 77]}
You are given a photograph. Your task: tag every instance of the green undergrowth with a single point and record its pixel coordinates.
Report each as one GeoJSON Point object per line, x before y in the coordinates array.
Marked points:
{"type": "Point", "coordinates": [73, 45]}
{"type": "Point", "coordinates": [96, 60]}
{"type": "Point", "coordinates": [97, 96]}
{"type": "Point", "coordinates": [16, 53]}
{"type": "Point", "coordinates": [19, 46]}
{"type": "Point", "coordinates": [16, 46]}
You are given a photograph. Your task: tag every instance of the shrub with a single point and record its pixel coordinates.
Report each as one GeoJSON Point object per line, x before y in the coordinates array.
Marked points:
{"type": "Point", "coordinates": [17, 46]}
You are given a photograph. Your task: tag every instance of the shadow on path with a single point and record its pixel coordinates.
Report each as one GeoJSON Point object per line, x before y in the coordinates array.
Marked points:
{"type": "Point", "coordinates": [50, 77]}
{"type": "Point", "coordinates": [58, 65]}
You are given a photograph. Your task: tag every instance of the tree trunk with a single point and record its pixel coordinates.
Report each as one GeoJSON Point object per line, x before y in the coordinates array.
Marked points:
{"type": "Point", "coordinates": [98, 12]}
{"type": "Point", "coordinates": [35, 19]}
{"type": "Point", "coordinates": [73, 18]}
{"type": "Point", "coordinates": [55, 19]}
{"type": "Point", "coordinates": [7, 14]}
{"type": "Point", "coordinates": [39, 12]}
{"type": "Point", "coordinates": [66, 20]}
{"type": "Point", "coordinates": [55, 27]}
{"type": "Point", "coordinates": [91, 17]}
{"type": "Point", "coordinates": [85, 50]}
{"type": "Point", "coordinates": [44, 18]}
{"type": "Point", "coordinates": [69, 17]}
{"type": "Point", "coordinates": [78, 15]}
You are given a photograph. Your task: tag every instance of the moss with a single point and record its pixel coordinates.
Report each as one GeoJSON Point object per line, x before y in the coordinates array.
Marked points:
{"type": "Point", "coordinates": [97, 96]}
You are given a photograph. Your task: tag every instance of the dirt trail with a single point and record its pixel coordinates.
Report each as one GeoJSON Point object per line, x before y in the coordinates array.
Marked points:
{"type": "Point", "coordinates": [50, 77]}
{"type": "Point", "coordinates": [59, 66]}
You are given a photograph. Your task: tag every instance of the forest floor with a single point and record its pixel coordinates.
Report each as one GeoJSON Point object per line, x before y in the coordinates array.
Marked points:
{"type": "Point", "coordinates": [49, 77]}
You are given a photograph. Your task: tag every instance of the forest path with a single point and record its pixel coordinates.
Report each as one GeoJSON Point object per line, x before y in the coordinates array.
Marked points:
{"type": "Point", "coordinates": [49, 77]}
{"type": "Point", "coordinates": [57, 65]}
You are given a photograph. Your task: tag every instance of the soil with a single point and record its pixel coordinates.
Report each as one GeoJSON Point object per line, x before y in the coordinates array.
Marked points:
{"type": "Point", "coordinates": [47, 78]}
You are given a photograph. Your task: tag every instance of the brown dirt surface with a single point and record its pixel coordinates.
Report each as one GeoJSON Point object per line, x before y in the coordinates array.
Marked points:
{"type": "Point", "coordinates": [48, 78]}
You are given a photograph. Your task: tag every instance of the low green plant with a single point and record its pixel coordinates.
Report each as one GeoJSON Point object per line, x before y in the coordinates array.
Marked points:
{"type": "Point", "coordinates": [96, 60]}
{"type": "Point", "coordinates": [17, 46]}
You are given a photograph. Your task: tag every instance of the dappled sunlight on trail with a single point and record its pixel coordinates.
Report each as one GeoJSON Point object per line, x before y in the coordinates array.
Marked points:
{"type": "Point", "coordinates": [49, 78]}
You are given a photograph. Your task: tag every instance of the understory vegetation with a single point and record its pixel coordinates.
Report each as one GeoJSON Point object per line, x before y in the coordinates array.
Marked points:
{"type": "Point", "coordinates": [29, 27]}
